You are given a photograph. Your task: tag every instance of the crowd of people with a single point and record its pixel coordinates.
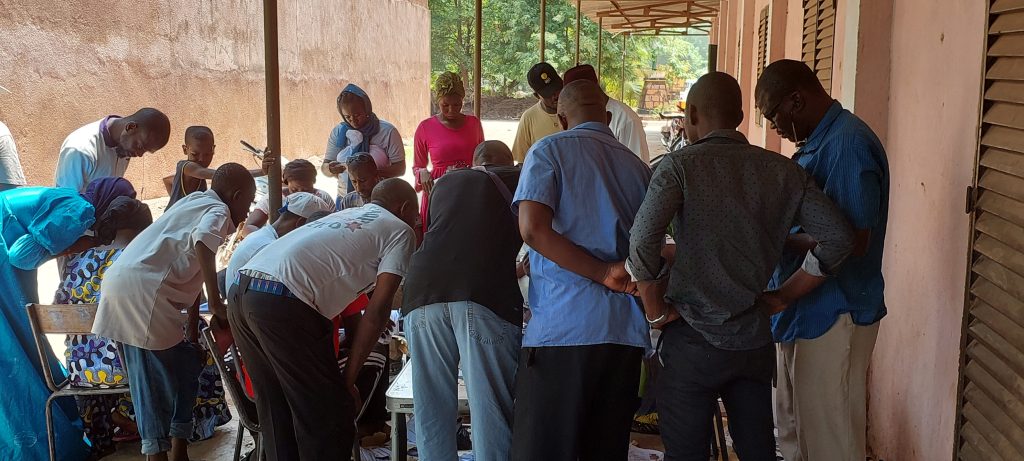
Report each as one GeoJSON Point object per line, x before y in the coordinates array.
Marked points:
{"type": "Point", "coordinates": [755, 268]}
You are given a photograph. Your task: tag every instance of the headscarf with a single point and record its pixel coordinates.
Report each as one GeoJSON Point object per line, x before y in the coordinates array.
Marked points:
{"type": "Point", "coordinates": [122, 213]}
{"type": "Point", "coordinates": [102, 192]}
{"type": "Point", "coordinates": [372, 125]}
{"type": "Point", "coordinates": [449, 84]}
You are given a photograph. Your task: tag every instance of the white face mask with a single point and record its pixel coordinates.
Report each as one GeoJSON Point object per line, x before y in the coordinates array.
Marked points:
{"type": "Point", "coordinates": [799, 142]}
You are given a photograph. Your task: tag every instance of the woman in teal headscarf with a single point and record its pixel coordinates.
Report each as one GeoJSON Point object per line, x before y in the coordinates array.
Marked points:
{"type": "Point", "coordinates": [36, 225]}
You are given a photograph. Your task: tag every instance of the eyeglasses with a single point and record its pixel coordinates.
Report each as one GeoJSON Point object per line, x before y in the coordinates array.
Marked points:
{"type": "Point", "coordinates": [352, 118]}
{"type": "Point", "coordinates": [774, 112]}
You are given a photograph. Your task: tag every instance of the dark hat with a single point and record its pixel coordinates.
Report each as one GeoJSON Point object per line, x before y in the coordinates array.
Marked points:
{"type": "Point", "coordinates": [581, 72]}
{"type": "Point", "coordinates": [544, 80]}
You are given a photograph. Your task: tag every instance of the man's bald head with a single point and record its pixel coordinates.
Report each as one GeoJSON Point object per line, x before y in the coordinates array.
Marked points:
{"type": "Point", "coordinates": [582, 101]}
{"type": "Point", "coordinates": [714, 102]}
{"type": "Point", "coordinates": [399, 198]}
{"type": "Point", "coordinates": [783, 77]}
{"type": "Point", "coordinates": [718, 97]}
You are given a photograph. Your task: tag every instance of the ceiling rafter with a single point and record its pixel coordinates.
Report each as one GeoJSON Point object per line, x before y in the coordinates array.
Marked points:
{"type": "Point", "coordinates": [646, 15]}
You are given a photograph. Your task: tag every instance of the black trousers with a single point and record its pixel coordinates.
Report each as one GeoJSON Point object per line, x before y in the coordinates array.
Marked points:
{"type": "Point", "coordinates": [575, 402]}
{"type": "Point", "coordinates": [695, 375]}
{"type": "Point", "coordinates": [304, 410]}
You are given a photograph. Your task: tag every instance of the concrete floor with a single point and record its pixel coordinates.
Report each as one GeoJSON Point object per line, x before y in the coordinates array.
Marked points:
{"type": "Point", "coordinates": [221, 446]}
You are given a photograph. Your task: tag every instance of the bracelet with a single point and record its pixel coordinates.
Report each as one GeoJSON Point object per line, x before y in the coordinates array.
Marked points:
{"type": "Point", "coordinates": [657, 320]}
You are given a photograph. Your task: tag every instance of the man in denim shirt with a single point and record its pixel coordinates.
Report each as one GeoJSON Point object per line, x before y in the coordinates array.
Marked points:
{"type": "Point", "coordinates": [826, 338]}
{"type": "Point", "coordinates": [579, 369]}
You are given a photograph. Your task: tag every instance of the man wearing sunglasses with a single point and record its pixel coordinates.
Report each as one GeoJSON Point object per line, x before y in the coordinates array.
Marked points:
{"type": "Point", "coordinates": [826, 338]}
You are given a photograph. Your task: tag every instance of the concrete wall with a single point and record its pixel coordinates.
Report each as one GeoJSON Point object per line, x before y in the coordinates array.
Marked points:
{"type": "Point", "coordinates": [201, 62]}
{"type": "Point", "coordinates": [912, 70]}
{"type": "Point", "coordinates": [935, 85]}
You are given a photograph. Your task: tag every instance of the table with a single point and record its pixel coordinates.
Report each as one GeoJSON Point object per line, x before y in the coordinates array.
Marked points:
{"type": "Point", "coordinates": [399, 403]}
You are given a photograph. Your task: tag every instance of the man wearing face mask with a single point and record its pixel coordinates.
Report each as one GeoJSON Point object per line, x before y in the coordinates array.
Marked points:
{"type": "Point", "coordinates": [104, 147]}
{"type": "Point", "coordinates": [826, 338]}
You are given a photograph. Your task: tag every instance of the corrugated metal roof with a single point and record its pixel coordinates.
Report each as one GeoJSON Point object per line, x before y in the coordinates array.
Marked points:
{"type": "Point", "coordinates": [689, 17]}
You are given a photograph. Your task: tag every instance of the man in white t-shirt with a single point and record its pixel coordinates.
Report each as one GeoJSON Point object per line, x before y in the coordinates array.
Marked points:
{"type": "Point", "coordinates": [300, 206]}
{"type": "Point", "coordinates": [104, 147]}
{"type": "Point", "coordinates": [625, 123]}
{"type": "Point", "coordinates": [11, 175]}
{"type": "Point", "coordinates": [287, 295]}
{"type": "Point", "coordinates": [159, 274]}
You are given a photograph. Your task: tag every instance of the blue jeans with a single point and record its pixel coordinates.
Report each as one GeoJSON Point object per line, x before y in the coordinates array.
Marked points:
{"type": "Point", "coordinates": [443, 337]}
{"type": "Point", "coordinates": [163, 385]}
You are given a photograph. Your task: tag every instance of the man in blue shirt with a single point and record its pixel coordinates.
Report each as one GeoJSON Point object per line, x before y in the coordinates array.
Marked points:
{"type": "Point", "coordinates": [826, 338]}
{"type": "Point", "coordinates": [579, 368]}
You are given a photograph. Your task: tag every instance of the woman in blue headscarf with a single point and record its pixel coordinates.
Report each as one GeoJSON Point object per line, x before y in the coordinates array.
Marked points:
{"type": "Point", "coordinates": [36, 225]}
{"type": "Point", "coordinates": [359, 129]}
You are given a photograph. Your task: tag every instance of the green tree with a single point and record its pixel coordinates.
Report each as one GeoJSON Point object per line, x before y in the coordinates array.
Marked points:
{"type": "Point", "coordinates": [511, 45]}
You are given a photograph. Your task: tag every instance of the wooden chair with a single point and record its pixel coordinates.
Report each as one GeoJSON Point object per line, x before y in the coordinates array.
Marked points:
{"type": "Point", "coordinates": [74, 319]}
{"type": "Point", "coordinates": [244, 406]}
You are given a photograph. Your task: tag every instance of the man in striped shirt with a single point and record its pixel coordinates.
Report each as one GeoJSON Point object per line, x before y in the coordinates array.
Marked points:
{"type": "Point", "coordinates": [826, 338]}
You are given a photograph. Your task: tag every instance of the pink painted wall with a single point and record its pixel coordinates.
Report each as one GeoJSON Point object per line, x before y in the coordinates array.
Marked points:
{"type": "Point", "coordinates": [935, 83]}
{"type": "Point", "coordinates": [201, 62]}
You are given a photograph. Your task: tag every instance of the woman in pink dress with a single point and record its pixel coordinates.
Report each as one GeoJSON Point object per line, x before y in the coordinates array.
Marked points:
{"type": "Point", "coordinates": [446, 140]}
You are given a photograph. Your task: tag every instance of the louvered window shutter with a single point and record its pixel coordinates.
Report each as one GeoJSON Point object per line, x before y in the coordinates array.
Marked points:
{"type": "Point", "coordinates": [819, 32]}
{"type": "Point", "coordinates": [991, 420]}
{"type": "Point", "coordinates": [762, 53]}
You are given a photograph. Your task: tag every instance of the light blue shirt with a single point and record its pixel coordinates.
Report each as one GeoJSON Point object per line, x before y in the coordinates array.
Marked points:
{"type": "Point", "coordinates": [595, 186]}
{"type": "Point", "coordinates": [849, 163]}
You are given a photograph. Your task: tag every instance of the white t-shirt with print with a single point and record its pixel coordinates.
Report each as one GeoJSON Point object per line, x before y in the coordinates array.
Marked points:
{"type": "Point", "coordinates": [330, 262]}
{"type": "Point", "coordinates": [158, 274]}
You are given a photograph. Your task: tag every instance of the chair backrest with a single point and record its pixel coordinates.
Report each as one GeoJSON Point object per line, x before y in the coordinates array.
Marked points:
{"type": "Point", "coordinates": [74, 319]}
{"type": "Point", "coordinates": [57, 319]}
{"type": "Point", "coordinates": [245, 408]}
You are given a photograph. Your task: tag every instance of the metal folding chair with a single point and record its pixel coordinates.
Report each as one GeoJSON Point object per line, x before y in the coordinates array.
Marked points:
{"type": "Point", "coordinates": [244, 406]}
{"type": "Point", "coordinates": [74, 319]}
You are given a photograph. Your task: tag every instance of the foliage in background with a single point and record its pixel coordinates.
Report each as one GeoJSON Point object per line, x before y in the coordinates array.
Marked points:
{"type": "Point", "coordinates": [511, 44]}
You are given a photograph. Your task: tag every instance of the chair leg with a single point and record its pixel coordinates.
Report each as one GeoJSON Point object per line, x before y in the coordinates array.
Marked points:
{"type": "Point", "coordinates": [259, 445]}
{"type": "Point", "coordinates": [49, 428]}
{"type": "Point", "coordinates": [238, 443]}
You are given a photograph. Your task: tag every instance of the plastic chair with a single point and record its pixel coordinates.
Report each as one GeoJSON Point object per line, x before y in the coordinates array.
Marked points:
{"type": "Point", "coordinates": [245, 407]}
{"type": "Point", "coordinates": [74, 319]}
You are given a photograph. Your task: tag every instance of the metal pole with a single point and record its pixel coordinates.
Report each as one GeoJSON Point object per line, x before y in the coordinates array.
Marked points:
{"type": "Point", "coordinates": [579, 12]}
{"type": "Point", "coordinates": [476, 62]}
{"type": "Point", "coordinates": [543, 26]}
{"type": "Point", "coordinates": [712, 58]}
{"type": "Point", "coordinates": [600, 49]}
{"type": "Point", "coordinates": [622, 86]}
{"type": "Point", "coordinates": [273, 104]}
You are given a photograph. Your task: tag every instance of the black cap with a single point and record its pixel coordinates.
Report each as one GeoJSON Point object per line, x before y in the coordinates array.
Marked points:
{"type": "Point", "coordinates": [544, 80]}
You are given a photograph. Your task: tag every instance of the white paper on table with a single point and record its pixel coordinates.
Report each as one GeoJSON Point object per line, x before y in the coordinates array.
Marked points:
{"type": "Point", "coordinates": [642, 454]}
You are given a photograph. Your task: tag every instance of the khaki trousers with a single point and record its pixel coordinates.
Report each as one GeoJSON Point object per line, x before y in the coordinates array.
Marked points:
{"type": "Point", "coordinates": [821, 397]}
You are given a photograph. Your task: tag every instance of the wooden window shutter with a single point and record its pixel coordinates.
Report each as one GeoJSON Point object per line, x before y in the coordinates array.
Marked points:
{"type": "Point", "coordinates": [990, 422]}
{"type": "Point", "coordinates": [762, 53]}
{"type": "Point", "coordinates": [819, 32]}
